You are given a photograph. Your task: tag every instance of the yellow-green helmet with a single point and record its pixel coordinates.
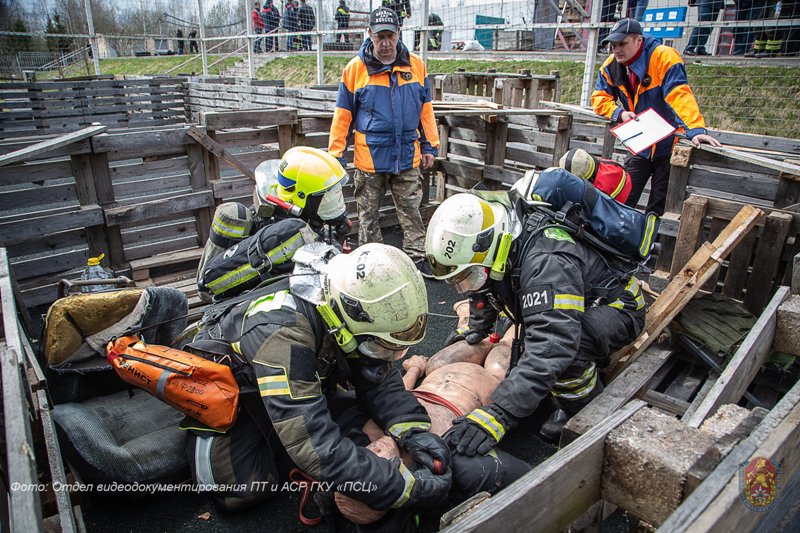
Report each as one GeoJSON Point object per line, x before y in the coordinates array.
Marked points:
{"type": "Point", "coordinates": [305, 177]}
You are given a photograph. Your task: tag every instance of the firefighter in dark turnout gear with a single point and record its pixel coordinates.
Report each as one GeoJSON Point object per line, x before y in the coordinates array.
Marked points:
{"type": "Point", "coordinates": [571, 304]}
{"type": "Point", "coordinates": [305, 184]}
{"type": "Point", "coordinates": [340, 320]}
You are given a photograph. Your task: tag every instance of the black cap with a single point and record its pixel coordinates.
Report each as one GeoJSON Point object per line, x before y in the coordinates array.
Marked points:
{"type": "Point", "coordinates": [622, 29]}
{"type": "Point", "coordinates": [383, 19]}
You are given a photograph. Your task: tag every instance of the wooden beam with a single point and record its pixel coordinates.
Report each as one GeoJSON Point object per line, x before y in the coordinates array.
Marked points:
{"type": "Point", "coordinates": [617, 393]}
{"type": "Point", "coordinates": [745, 364]}
{"type": "Point", "coordinates": [218, 150]}
{"type": "Point", "coordinates": [31, 228]}
{"type": "Point", "coordinates": [686, 284]}
{"type": "Point", "coordinates": [690, 230]}
{"type": "Point", "coordinates": [553, 494]}
{"type": "Point", "coordinates": [50, 144]}
{"type": "Point", "coordinates": [767, 259]}
{"type": "Point", "coordinates": [765, 162]}
{"type": "Point", "coordinates": [129, 214]}
{"type": "Point", "coordinates": [219, 120]}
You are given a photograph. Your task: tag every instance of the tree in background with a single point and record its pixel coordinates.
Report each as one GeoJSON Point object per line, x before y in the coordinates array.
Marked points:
{"type": "Point", "coordinates": [18, 43]}
{"type": "Point", "coordinates": [57, 44]}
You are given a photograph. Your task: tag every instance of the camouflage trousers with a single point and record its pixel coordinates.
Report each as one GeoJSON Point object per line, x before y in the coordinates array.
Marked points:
{"type": "Point", "coordinates": [406, 189]}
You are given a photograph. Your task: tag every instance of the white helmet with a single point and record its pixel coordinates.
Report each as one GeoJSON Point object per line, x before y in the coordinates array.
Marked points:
{"type": "Point", "coordinates": [464, 232]}
{"type": "Point", "coordinates": [379, 293]}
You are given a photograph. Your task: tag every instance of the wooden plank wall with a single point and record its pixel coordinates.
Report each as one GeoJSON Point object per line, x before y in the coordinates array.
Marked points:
{"type": "Point", "coordinates": [28, 109]}
{"type": "Point", "coordinates": [148, 190]}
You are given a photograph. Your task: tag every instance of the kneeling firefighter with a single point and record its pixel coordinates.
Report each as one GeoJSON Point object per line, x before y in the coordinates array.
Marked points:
{"type": "Point", "coordinates": [541, 254]}
{"type": "Point", "coordinates": [248, 245]}
{"type": "Point", "coordinates": [336, 324]}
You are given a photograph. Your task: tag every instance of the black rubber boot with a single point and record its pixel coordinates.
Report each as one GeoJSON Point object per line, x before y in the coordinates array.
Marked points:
{"type": "Point", "coordinates": [551, 429]}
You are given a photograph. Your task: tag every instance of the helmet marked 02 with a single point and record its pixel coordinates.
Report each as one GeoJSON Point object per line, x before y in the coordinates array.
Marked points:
{"type": "Point", "coordinates": [380, 295]}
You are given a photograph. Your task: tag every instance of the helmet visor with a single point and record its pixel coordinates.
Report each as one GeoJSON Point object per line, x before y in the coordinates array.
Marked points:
{"type": "Point", "coordinates": [377, 348]}
{"type": "Point", "coordinates": [439, 270]}
{"type": "Point", "coordinates": [470, 279]}
{"type": "Point", "coordinates": [412, 334]}
{"type": "Point", "coordinates": [332, 204]}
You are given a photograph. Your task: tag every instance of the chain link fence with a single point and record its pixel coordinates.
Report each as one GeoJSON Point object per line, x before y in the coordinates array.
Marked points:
{"type": "Point", "coordinates": [742, 58]}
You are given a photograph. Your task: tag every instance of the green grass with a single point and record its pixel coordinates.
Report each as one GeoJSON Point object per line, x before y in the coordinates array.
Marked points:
{"type": "Point", "coordinates": [142, 66]}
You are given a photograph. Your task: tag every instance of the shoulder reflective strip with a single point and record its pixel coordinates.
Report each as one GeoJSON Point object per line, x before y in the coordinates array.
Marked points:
{"type": "Point", "coordinates": [237, 347]}
{"type": "Point", "coordinates": [232, 278]}
{"type": "Point", "coordinates": [488, 422]}
{"type": "Point", "coordinates": [267, 303]}
{"type": "Point", "coordinates": [220, 227]}
{"type": "Point", "coordinates": [572, 302]}
{"type": "Point", "coordinates": [202, 460]}
{"type": "Point", "coordinates": [647, 238]}
{"type": "Point", "coordinates": [408, 479]}
{"type": "Point", "coordinates": [162, 383]}
{"type": "Point", "coordinates": [620, 185]}
{"type": "Point", "coordinates": [397, 430]}
{"type": "Point", "coordinates": [287, 248]}
{"type": "Point", "coordinates": [273, 386]}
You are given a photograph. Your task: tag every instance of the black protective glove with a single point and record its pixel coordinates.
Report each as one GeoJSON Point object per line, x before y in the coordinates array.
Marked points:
{"type": "Point", "coordinates": [427, 449]}
{"type": "Point", "coordinates": [430, 490]}
{"type": "Point", "coordinates": [479, 431]}
{"type": "Point", "coordinates": [465, 333]}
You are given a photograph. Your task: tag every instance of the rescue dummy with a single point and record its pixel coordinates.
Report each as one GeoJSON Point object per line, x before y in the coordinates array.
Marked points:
{"type": "Point", "coordinates": [460, 378]}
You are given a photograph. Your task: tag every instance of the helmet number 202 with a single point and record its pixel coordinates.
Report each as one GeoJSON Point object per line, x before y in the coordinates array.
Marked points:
{"type": "Point", "coordinates": [449, 249]}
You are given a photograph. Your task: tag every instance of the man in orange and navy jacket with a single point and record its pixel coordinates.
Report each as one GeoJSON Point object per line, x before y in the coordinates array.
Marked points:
{"type": "Point", "coordinates": [640, 74]}
{"type": "Point", "coordinates": [385, 100]}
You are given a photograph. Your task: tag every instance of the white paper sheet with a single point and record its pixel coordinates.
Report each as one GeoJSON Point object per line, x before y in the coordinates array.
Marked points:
{"type": "Point", "coordinates": [642, 132]}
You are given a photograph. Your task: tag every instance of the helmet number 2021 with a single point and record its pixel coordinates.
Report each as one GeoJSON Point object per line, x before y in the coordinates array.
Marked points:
{"type": "Point", "coordinates": [449, 249]}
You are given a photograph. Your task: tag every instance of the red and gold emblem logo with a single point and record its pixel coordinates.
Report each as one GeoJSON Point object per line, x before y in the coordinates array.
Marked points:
{"type": "Point", "coordinates": [759, 484]}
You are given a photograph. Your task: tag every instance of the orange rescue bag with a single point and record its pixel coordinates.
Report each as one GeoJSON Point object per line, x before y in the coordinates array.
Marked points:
{"type": "Point", "coordinates": [198, 387]}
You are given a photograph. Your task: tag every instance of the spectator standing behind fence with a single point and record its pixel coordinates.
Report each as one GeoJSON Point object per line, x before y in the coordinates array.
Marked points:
{"type": "Point", "coordinates": [707, 10]}
{"type": "Point", "coordinates": [385, 100]}
{"type": "Point", "coordinates": [258, 27]}
{"type": "Point", "coordinates": [179, 37]}
{"type": "Point", "coordinates": [272, 21]}
{"type": "Point", "coordinates": [193, 48]}
{"type": "Point", "coordinates": [342, 17]}
{"type": "Point", "coordinates": [290, 24]}
{"type": "Point", "coordinates": [401, 7]}
{"type": "Point", "coordinates": [641, 73]}
{"type": "Point", "coordinates": [307, 21]}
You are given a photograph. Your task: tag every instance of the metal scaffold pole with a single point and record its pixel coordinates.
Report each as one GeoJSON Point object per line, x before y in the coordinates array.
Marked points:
{"type": "Point", "coordinates": [92, 37]}
{"type": "Point", "coordinates": [202, 24]}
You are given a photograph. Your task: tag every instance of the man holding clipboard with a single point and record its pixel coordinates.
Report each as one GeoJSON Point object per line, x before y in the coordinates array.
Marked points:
{"type": "Point", "coordinates": [648, 79]}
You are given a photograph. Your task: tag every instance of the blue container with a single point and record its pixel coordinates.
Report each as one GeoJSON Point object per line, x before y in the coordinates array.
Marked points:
{"type": "Point", "coordinates": [95, 271]}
